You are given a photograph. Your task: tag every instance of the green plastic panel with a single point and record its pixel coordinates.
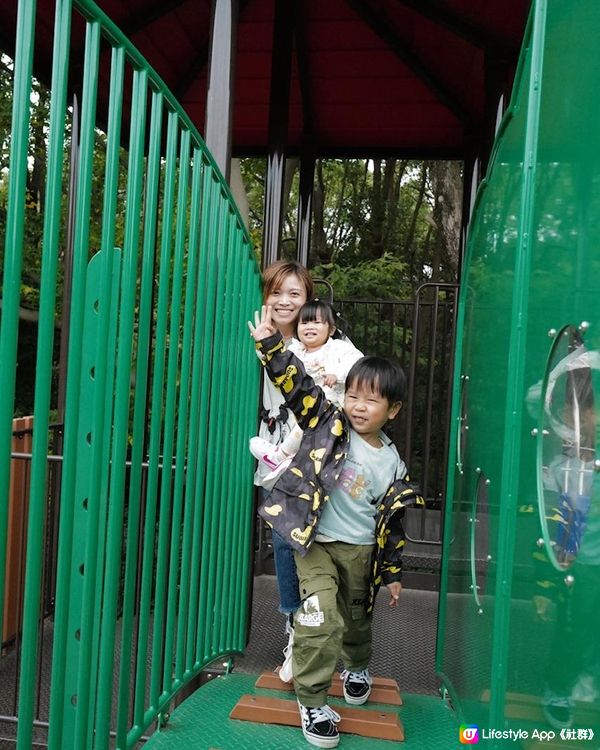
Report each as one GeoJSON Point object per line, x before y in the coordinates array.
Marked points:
{"type": "Point", "coordinates": [519, 647]}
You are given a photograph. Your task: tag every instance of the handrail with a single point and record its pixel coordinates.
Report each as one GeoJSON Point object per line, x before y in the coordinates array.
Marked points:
{"type": "Point", "coordinates": [158, 366]}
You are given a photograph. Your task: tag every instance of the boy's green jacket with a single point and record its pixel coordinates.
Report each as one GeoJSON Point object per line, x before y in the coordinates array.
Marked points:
{"type": "Point", "coordinates": [294, 506]}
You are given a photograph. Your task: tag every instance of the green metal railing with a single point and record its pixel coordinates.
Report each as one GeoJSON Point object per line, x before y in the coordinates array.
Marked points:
{"type": "Point", "coordinates": [156, 492]}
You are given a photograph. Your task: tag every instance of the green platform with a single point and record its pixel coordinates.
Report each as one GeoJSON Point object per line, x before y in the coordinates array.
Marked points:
{"type": "Point", "coordinates": [202, 722]}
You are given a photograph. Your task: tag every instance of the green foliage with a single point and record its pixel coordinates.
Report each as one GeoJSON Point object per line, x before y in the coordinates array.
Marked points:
{"type": "Point", "coordinates": [253, 174]}
{"type": "Point", "coordinates": [380, 278]}
{"type": "Point", "coordinates": [380, 227]}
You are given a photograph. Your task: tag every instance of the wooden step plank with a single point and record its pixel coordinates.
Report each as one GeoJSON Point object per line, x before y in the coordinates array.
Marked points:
{"type": "Point", "coordinates": [384, 689]}
{"type": "Point", "coordinates": [526, 706]}
{"type": "Point", "coordinates": [376, 724]}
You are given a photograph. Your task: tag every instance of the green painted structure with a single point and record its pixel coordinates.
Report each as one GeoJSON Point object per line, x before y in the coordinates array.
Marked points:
{"type": "Point", "coordinates": [154, 537]}
{"type": "Point", "coordinates": [147, 513]}
{"type": "Point", "coordinates": [524, 489]}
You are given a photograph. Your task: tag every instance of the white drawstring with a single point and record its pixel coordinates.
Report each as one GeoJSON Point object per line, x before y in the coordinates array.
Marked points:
{"type": "Point", "coordinates": [325, 712]}
{"type": "Point", "coordinates": [362, 676]}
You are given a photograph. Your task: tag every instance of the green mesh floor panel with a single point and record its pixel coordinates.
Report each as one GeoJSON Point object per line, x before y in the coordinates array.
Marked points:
{"type": "Point", "coordinates": [202, 722]}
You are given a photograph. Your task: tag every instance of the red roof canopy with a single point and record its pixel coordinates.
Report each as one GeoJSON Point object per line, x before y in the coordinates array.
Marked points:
{"type": "Point", "coordinates": [407, 77]}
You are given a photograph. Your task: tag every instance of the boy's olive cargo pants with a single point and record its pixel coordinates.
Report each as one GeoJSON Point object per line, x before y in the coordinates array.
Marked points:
{"type": "Point", "coordinates": [332, 621]}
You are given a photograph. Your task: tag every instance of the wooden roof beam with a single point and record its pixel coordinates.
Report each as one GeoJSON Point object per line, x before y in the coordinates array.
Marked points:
{"type": "Point", "coordinates": [195, 66]}
{"type": "Point", "coordinates": [152, 12]}
{"type": "Point", "coordinates": [384, 32]}
{"type": "Point", "coordinates": [433, 11]}
{"type": "Point", "coordinates": [303, 68]}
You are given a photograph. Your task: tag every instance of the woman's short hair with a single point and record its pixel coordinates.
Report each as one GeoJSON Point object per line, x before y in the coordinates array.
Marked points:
{"type": "Point", "coordinates": [380, 375]}
{"type": "Point", "coordinates": [274, 274]}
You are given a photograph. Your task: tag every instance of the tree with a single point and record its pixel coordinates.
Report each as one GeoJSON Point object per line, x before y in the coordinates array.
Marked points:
{"type": "Point", "coordinates": [367, 210]}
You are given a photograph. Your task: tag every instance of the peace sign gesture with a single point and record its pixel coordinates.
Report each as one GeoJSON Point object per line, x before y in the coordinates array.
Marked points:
{"type": "Point", "coordinates": [262, 324]}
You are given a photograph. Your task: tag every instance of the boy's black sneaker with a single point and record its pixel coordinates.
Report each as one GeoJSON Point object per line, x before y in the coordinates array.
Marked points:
{"type": "Point", "coordinates": [357, 686]}
{"type": "Point", "coordinates": [319, 725]}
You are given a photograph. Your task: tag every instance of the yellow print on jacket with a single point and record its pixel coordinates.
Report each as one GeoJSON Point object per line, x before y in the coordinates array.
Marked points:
{"type": "Point", "coordinates": [301, 536]}
{"type": "Point", "coordinates": [286, 381]}
{"type": "Point", "coordinates": [316, 456]}
{"type": "Point", "coordinates": [308, 402]}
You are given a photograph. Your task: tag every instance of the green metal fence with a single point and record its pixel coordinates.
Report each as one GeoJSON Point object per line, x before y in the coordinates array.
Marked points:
{"type": "Point", "coordinates": [155, 501]}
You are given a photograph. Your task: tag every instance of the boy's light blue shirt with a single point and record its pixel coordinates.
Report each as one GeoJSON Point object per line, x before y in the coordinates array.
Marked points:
{"type": "Point", "coordinates": [349, 516]}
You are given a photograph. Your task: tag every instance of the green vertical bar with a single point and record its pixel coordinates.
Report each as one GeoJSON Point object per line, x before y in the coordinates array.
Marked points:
{"type": "Point", "coordinates": [244, 493]}
{"type": "Point", "coordinates": [172, 376]}
{"type": "Point", "coordinates": [122, 400]}
{"type": "Point", "coordinates": [199, 405]}
{"type": "Point", "coordinates": [251, 302]}
{"type": "Point", "coordinates": [37, 495]}
{"type": "Point", "coordinates": [516, 373]}
{"type": "Point", "coordinates": [139, 427]}
{"type": "Point", "coordinates": [13, 253]}
{"type": "Point", "coordinates": [186, 469]}
{"type": "Point", "coordinates": [100, 291]}
{"type": "Point", "coordinates": [157, 394]}
{"type": "Point", "coordinates": [87, 520]}
{"type": "Point", "coordinates": [209, 573]}
{"type": "Point", "coordinates": [227, 404]}
{"type": "Point", "coordinates": [175, 380]}
{"type": "Point", "coordinates": [237, 493]}
{"type": "Point", "coordinates": [73, 708]}
{"type": "Point", "coordinates": [210, 241]}
{"type": "Point", "coordinates": [67, 620]}
{"type": "Point", "coordinates": [227, 553]}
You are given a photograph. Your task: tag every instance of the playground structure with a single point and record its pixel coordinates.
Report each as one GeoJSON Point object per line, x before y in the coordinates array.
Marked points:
{"type": "Point", "coordinates": [159, 551]}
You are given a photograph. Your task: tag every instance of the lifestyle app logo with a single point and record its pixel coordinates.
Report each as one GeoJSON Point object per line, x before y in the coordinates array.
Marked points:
{"type": "Point", "coordinates": [468, 734]}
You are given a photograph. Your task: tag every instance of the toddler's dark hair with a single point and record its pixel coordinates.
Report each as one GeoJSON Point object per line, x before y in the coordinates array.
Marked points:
{"type": "Point", "coordinates": [317, 308]}
{"type": "Point", "coordinates": [380, 375]}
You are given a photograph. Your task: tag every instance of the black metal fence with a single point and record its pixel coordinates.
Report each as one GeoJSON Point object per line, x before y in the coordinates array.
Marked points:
{"type": "Point", "coordinates": [419, 334]}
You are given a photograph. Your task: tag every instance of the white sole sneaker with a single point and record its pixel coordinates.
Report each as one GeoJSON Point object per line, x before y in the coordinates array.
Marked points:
{"type": "Point", "coordinates": [357, 700]}
{"type": "Point", "coordinates": [314, 738]}
{"type": "Point", "coordinates": [320, 741]}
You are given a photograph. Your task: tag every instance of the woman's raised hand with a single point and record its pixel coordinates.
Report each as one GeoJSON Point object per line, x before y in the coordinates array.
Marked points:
{"type": "Point", "coordinates": [262, 324]}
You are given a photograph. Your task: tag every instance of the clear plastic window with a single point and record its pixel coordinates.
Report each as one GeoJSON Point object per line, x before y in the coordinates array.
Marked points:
{"type": "Point", "coordinates": [567, 448]}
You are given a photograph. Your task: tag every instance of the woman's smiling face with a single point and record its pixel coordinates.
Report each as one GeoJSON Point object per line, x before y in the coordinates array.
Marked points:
{"type": "Point", "coordinates": [286, 302]}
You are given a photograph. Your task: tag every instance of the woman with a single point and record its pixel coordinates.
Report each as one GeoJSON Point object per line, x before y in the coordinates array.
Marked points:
{"type": "Point", "coordinates": [287, 285]}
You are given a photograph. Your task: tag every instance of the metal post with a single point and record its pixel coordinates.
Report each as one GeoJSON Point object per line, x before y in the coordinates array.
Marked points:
{"type": "Point", "coordinates": [307, 179]}
{"type": "Point", "coordinates": [219, 100]}
{"type": "Point", "coordinates": [281, 66]}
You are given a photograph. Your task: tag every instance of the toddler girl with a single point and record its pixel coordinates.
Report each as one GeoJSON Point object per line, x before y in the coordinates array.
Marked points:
{"type": "Point", "coordinates": [327, 360]}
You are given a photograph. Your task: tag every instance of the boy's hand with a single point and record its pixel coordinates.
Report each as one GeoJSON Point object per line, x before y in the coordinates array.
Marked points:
{"type": "Point", "coordinates": [262, 324]}
{"type": "Point", "coordinates": [329, 380]}
{"type": "Point", "coordinates": [394, 589]}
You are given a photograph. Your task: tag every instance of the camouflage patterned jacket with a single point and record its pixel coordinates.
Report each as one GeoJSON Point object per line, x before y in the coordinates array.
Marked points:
{"type": "Point", "coordinates": [293, 508]}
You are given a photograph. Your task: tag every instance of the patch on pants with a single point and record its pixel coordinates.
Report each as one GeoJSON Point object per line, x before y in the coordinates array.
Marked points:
{"type": "Point", "coordinates": [310, 614]}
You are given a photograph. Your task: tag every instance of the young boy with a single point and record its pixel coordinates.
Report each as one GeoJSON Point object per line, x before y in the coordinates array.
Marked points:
{"type": "Point", "coordinates": [340, 506]}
